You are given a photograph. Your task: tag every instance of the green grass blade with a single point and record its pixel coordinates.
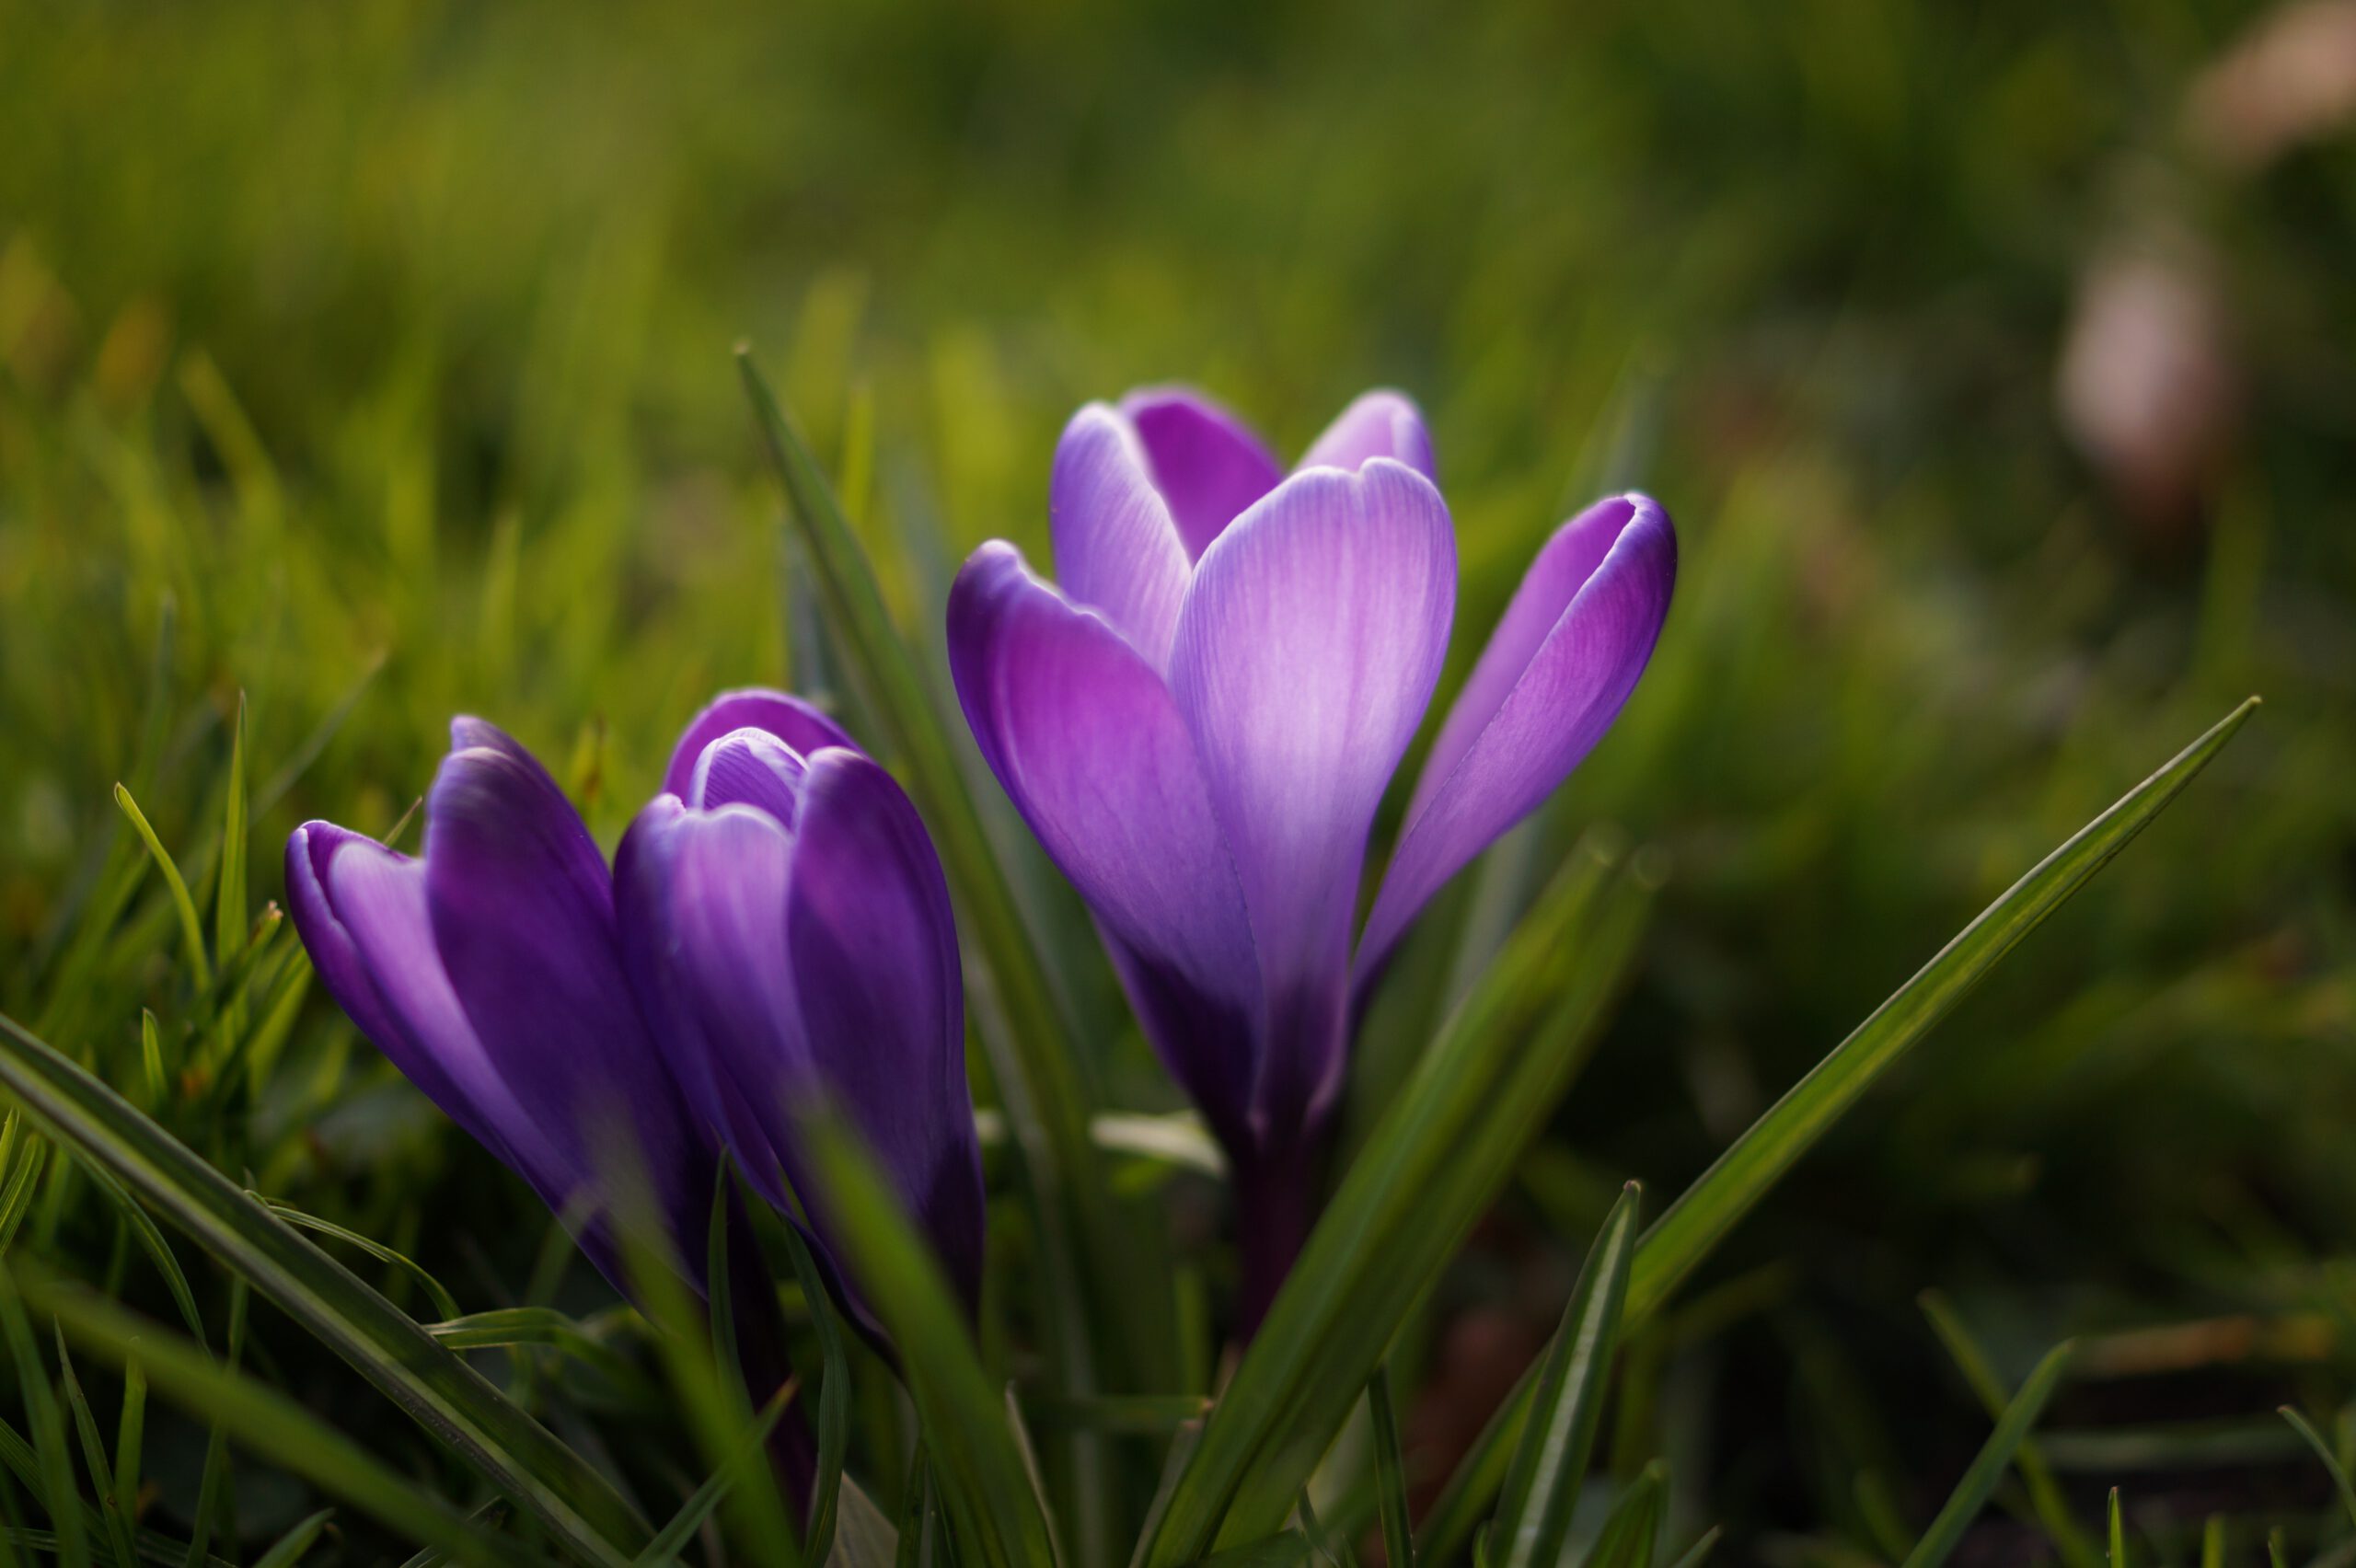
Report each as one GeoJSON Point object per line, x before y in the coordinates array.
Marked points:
{"type": "Point", "coordinates": [191, 931]}
{"type": "Point", "coordinates": [151, 1241]}
{"type": "Point", "coordinates": [2118, 1532]}
{"type": "Point", "coordinates": [217, 1445]}
{"type": "Point", "coordinates": [151, 1060]}
{"type": "Point", "coordinates": [973, 1450]}
{"type": "Point", "coordinates": [487, 1430]}
{"type": "Point", "coordinates": [229, 913]}
{"type": "Point", "coordinates": [1727, 1191]}
{"type": "Point", "coordinates": [673, 1538]}
{"type": "Point", "coordinates": [129, 1441]}
{"type": "Point", "coordinates": [1699, 1553]}
{"type": "Point", "coordinates": [1995, 1457]}
{"type": "Point", "coordinates": [288, 1549]}
{"type": "Point", "coordinates": [94, 1457]}
{"type": "Point", "coordinates": [834, 1396]}
{"type": "Point", "coordinates": [1632, 1529]}
{"type": "Point", "coordinates": [263, 1420]}
{"type": "Point", "coordinates": [53, 1480]}
{"type": "Point", "coordinates": [1430, 1168]}
{"type": "Point", "coordinates": [1543, 1487]}
{"type": "Point", "coordinates": [444, 1302]}
{"type": "Point", "coordinates": [2044, 1494]}
{"type": "Point", "coordinates": [2212, 1541]}
{"type": "Point", "coordinates": [2339, 1481]}
{"type": "Point", "coordinates": [1741, 1177]}
{"type": "Point", "coordinates": [1389, 1472]}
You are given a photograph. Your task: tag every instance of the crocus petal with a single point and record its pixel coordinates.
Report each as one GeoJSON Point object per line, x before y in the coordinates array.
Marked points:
{"type": "Point", "coordinates": [1117, 550]}
{"type": "Point", "coordinates": [523, 917]}
{"type": "Point", "coordinates": [1307, 648]}
{"type": "Point", "coordinates": [787, 716]}
{"type": "Point", "coordinates": [873, 949]}
{"type": "Point", "coordinates": [1086, 741]}
{"type": "Point", "coordinates": [750, 768]}
{"type": "Point", "coordinates": [1382, 423]}
{"type": "Point", "coordinates": [1555, 676]}
{"type": "Point", "coordinates": [700, 900]}
{"type": "Point", "coordinates": [361, 911]}
{"type": "Point", "coordinates": [1206, 463]}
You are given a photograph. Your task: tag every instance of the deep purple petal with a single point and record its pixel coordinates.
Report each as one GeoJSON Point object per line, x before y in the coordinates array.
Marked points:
{"type": "Point", "coordinates": [1382, 423]}
{"type": "Point", "coordinates": [1555, 676]}
{"type": "Point", "coordinates": [699, 898]}
{"type": "Point", "coordinates": [523, 917]}
{"type": "Point", "coordinates": [1086, 740]}
{"type": "Point", "coordinates": [787, 716]}
{"type": "Point", "coordinates": [1307, 650]}
{"type": "Point", "coordinates": [1117, 550]}
{"type": "Point", "coordinates": [1206, 463]}
{"type": "Point", "coordinates": [360, 909]}
{"type": "Point", "coordinates": [874, 955]}
{"type": "Point", "coordinates": [749, 767]}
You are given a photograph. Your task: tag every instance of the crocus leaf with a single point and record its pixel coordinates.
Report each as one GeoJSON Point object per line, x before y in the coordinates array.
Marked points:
{"type": "Point", "coordinates": [1630, 1530]}
{"type": "Point", "coordinates": [263, 1419]}
{"type": "Point", "coordinates": [1698, 1222]}
{"type": "Point", "coordinates": [288, 1549]}
{"type": "Point", "coordinates": [1995, 1457]}
{"type": "Point", "coordinates": [94, 1453]}
{"type": "Point", "coordinates": [2045, 1497]}
{"type": "Point", "coordinates": [973, 1451]}
{"type": "Point", "coordinates": [1389, 1472]}
{"type": "Point", "coordinates": [1534, 1514]}
{"type": "Point", "coordinates": [673, 1538]}
{"type": "Point", "coordinates": [1429, 1169]}
{"type": "Point", "coordinates": [482, 1426]}
{"type": "Point", "coordinates": [2305, 1429]}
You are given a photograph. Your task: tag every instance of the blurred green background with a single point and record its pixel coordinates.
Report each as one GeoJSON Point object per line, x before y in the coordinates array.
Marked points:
{"type": "Point", "coordinates": [1994, 361]}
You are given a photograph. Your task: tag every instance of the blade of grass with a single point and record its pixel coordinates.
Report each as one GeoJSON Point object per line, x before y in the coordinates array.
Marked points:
{"type": "Point", "coordinates": [995, 1517]}
{"type": "Point", "coordinates": [2339, 1481]}
{"type": "Point", "coordinates": [1694, 1225]}
{"type": "Point", "coordinates": [264, 1420]}
{"type": "Point", "coordinates": [482, 1426]}
{"type": "Point", "coordinates": [1995, 1457]}
{"type": "Point", "coordinates": [1699, 1553]}
{"type": "Point", "coordinates": [288, 1549]}
{"type": "Point", "coordinates": [834, 1394]}
{"type": "Point", "coordinates": [1633, 1528]}
{"type": "Point", "coordinates": [191, 932]}
{"type": "Point", "coordinates": [444, 1302]}
{"type": "Point", "coordinates": [1389, 1472]}
{"type": "Point", "coordinates": [673, 1538]}
{"type": "Point", "coordinates": [151, 1060]}
{"type": "Point", "coordinates": [94, 1456]}
{"type": "Point", "coordinates": [2118, 1558]}
{"type": "Point", "coordinates": [1429, 1169]}
{"type": "Point", "coordinates": [217, 1445]}
{"type": "Point", "coordinates": [151, 1241]}
{"type": "Point", "coordinates": [229, 914]}
{"type": "Point", "coordinates": [2044, 1495]}
{"type": "Point", "coordinates": [55, 1488]}
{"type": "Point", "coordinates": [130, 1442]}
{"type": "Point", "coordinates": [1542, 1488]}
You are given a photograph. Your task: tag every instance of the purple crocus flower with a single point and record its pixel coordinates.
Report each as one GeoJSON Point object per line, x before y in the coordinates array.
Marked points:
{"type": "Point", "coordinates": [1199, 719]}
{"type": "Point", "coordinates": [778, 939]}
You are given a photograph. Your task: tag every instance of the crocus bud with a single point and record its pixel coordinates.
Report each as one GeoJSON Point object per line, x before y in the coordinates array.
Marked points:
{"type": "Point", "coordinates": [787, 931]}
{"type": "Point", "coordinates": [1199, 722]}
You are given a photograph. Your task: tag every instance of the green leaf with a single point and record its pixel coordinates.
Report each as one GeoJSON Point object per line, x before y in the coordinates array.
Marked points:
{"type": "Point", "coordinates": [1389, 1472]}
{"type": "Point", "coordinates": [151, 1060]}
{"type": "Point", "coordinates": [288, 1549]}
{"type": "Point", "coordinates": [2212, 1541]}
{"type": "Point", "coordinates": [1543, 1487]}
{"type": "Point", "coordinates": [2118, 1533]}
{"type": "Point", "coordinates": [673, 1538]}
{"type": "Point", "coordinates": [1995, 1457]}
{"type": "Point", "coordinates": [56, 1491]}
{"type": "Point", "coordinates": [130, 1439]}
{"type": "Point", "coordinates": [2044, 1495]}
{"type": "Point", "coordinates": [1698, 1222]}
{"type": "Point", "coordinates": [834, 1398]}
{"type": "Point", "coordinates": [1632, 1529]}
{"type": "Point", "coordinates": [94, 1456]}
{"type": "Point", "coordinates": [481, 1425]}
{"type": "Point", "coordinates": [1430, 1168]}
{"type": "Point", "coordinates": [1699, 1553]}
{"type": "Point", "coordinates": [2339, 1481]}
{"type": "Point", "coordinates": [264, 1420]}
{"type": "Point", "coordinates": [191, 932]}
{"type": "Point", "coordinates": [444, 1302]}
{"type": "Point", "coordinates": [229, 914]}
{"type": "Point", "coordinates": [151, 1241]}
{"type": "Point", "coordinates": [1742, 1176]}
{"type": "Point", "coordinates": [216, 1444]}
{"type": "Point", "coordinates": [973, 1451]}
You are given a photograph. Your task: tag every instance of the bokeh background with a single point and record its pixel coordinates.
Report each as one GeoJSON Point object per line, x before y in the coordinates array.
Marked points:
{"type": "Point", "coordinates": [1995, 362]}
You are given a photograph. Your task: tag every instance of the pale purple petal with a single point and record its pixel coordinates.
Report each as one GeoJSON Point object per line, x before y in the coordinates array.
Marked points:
{"type": "Point", "coordinates": [874, 949]}
{"type": "Point", "coordinates": [1206, 463]}
{"type": "Point", "coordinates": [1117, 550]}
{"type": "Point", "coordinates": [1086, 741]}
{"type": "Point", "coordinates": [1382, 423]}
{"type": "Point", "coordinates": [1561, 665]}
{"type": "Point", "coordinates": [1307, 650]}
{"type": "Point", "coordinates": [791, 720]}
{"type": "Point", "coordinates": [750, 768]}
